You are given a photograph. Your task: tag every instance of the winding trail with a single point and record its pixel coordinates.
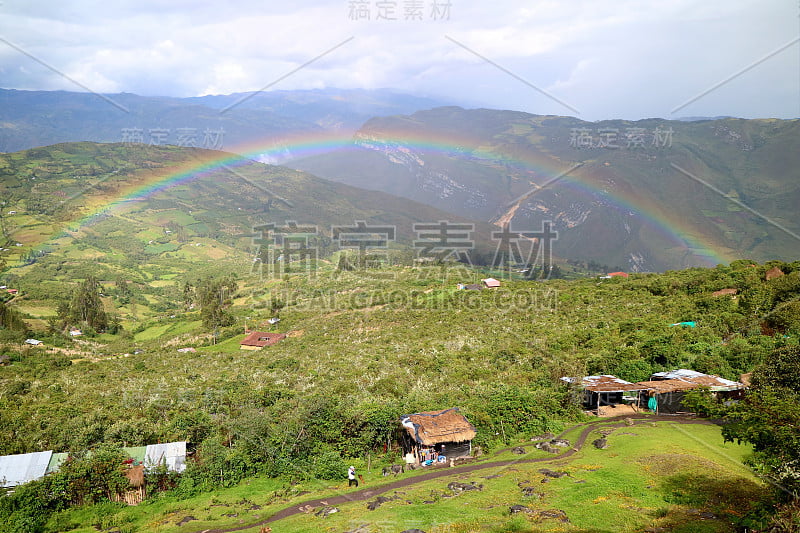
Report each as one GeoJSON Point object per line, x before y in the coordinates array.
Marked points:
{"type": "Point", "coordinates": [366, 494]}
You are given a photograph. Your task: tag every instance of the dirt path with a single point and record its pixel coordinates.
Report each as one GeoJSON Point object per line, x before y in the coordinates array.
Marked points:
{"type": "Point", "coordinates": [366, 494]}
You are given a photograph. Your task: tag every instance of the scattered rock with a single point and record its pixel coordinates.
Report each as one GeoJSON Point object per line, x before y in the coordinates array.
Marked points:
{"type": "Point", "coordinates": [545, 446]}
{"type": "Point", "coordinates": [186, 520]}
{"type": "Point", "coordinates": [363, 528]}
{"type": "Point", "coordinates": [530, 492]}
{"type": "Point", "coordinates": [458, 487]}
{"type": "Point", "coordinates": [545, 436]}
{"type": "Point", "coordinates": [519, 450]}
{"type": "Point", "coordinates": [495, 476]}
{"type": "Point", "coordinates": [600, 444]}
{"type": "Point", "coordinates": [377, 502]}
{"type": "Point", "coordinates": [326, 511]}
{"type": "Point", "coordinates": [254, 507]}
{"type": "Point", "coordinates": [551, 473]}
{"type": "Point", "coordinates": [629, 422]}
{"type": "Point", "coordinates": [393, 470]}
{"type": "Point", "coordinates": [514, 509]}
{"type": "Point", "coordinates": [306, 509]}
{"type": "Point", "coordinates": [554, 514]}
{"type": "Point", "coordinates": [560, 443]}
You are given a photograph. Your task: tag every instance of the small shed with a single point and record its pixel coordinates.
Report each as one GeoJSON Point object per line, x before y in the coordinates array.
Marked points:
{"type": "Point", "coordinates": [490, 283]}
{"type": "Point", "coordinates": [436, 436]}
{"type": "Point", "coordinates": [665, 396]}
{"type": "Point", "coordinates": [256, 340]}
{"type": "Point", "coordinates": [33, 342]}
{"type": "Point", "coordinates": [605, 390]}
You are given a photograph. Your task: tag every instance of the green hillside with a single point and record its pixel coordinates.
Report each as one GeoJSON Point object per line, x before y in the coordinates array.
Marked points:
{"type": "Point", "coordinates": [58, 226]}
{"type": "Point", "coordinates": [649, 195]}
{"type": "Point", "coordinates": [163, 286]}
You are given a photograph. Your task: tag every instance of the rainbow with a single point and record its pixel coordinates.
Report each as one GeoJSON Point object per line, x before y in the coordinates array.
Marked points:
{"type": "Point", "coordinates": [677, 233]}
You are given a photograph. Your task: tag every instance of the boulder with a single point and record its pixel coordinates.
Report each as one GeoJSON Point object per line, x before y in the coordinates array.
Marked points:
{"type": "Point", "coordinates": [326, 511]}
{"type": "Point", "coordinates": [458, 487]}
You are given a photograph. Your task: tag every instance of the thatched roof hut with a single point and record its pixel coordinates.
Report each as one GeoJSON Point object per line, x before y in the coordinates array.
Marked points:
{"type": "Point", "coordinates": [436, 436]}
{"type": "Point", "coordinates": [435, 427]}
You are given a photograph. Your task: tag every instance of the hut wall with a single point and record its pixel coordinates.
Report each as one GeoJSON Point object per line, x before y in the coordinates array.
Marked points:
{"type": "Point", "coordinates": [453, 450]}
{"type": "Point", "coordinates": [593, 400]}
{"type": "Point", "coordinates": [669, 403]}
{"type": "Point", "coordinates": [131, 497]}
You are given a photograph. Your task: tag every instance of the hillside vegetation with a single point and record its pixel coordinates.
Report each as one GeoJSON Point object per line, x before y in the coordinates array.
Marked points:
{"type": "Point", "coordinates": [366, 340]}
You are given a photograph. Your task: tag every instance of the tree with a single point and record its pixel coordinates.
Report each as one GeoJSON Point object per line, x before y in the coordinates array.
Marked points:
{"type": "Point", "coordinates": [769, 419]}
{"type": "Point", "coordinates": [214, 296]}
{"type": "Point", "coordinates": [86, 307]}
{"type": "Point", "coordinates": [11, 319]}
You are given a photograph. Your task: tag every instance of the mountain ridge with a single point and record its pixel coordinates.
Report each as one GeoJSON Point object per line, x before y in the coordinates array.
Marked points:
{"type": "Point", "coordinates": [615, 180]}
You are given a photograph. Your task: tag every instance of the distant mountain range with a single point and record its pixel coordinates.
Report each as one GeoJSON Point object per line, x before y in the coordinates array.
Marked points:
{"type": "Point", "coordinates": [651, 194]}
{"type": "Point", "coordinates": [40, 118]}
{"type": "Point", "coordinates": [646, 195]}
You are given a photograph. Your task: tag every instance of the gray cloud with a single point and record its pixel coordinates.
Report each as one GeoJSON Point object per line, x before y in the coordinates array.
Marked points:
{"type": "Point", "coordinates": [628, 59]}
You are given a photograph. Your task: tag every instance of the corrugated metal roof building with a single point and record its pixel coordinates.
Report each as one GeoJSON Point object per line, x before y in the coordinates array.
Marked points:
{"type": "Point", "coordinates": [603, 390]}
{"type": "Point", "coordinates": [171, 454]}
{"type": "Point", "coordinates": [18, 469]}
{"type": "Point", "coordinates": [715, 383]}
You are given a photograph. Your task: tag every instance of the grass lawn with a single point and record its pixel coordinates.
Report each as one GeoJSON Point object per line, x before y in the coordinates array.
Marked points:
{"type": "Point", "coordinates": [681, 477]}
{"type": "Point", "coordinates": [665, 475]}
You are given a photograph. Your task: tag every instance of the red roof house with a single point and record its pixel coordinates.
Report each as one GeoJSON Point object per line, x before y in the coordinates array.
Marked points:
{"type": "Point", "coordinates": [621, 274]}
{"type": "Point", "coordinates": [259, 339]}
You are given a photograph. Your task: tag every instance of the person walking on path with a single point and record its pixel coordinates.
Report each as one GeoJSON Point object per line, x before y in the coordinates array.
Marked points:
{"type": "Point", "coordinates": [351, 477]}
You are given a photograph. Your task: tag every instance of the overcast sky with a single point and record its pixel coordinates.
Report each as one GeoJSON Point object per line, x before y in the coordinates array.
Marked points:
{"type": "Point", "coordinates": [591, 59]}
